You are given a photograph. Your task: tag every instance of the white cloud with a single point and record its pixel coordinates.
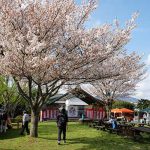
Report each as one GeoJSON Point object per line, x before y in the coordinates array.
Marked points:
{"type": "Point", "coordinates": [143, 88]}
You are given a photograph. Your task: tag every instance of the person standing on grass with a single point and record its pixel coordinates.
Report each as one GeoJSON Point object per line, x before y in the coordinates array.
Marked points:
{"type": "Point", "coordinates": [62, 120]}
{"type": "Point", "coordinates": [25, 121]}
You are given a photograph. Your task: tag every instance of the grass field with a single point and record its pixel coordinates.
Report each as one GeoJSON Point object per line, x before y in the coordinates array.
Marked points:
{"type": "Point", "coordinates": [79, 137]}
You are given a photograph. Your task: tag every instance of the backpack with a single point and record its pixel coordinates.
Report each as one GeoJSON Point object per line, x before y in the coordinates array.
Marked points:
{"type": "Point", "coordinates": [61, 121]}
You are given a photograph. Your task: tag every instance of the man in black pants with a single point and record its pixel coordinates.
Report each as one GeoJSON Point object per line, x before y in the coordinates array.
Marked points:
{"type": "Point", "coordinates": [25, 121]}
{"type": "Point", "coordinates": [62, 120]}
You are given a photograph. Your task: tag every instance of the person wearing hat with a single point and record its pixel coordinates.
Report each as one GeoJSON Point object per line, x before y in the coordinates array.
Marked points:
{"type": "Point", "coordinates": [62, 120]}
{"type": "Point", "coordinates": [25, 121]}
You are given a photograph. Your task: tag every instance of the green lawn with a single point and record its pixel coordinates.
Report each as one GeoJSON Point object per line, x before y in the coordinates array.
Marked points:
{"type": "Point", "coordinates": [80, 137]}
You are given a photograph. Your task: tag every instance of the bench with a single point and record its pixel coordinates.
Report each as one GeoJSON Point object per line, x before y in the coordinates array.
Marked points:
{"type": "Point", "coordinates": [100, 127]}
{"type": "Point", "coordinates": [141, 124]}
{"type": "Point", "coordinates": [111, 130]}
{"type": "Point", "coordinates": [135, 132]}
{"type": "Point", "coordinates": [16, 124]}
{"type": "Point", "coordinates": [85, 121]}
{"type": "Point", "coordinates": [92, 125]}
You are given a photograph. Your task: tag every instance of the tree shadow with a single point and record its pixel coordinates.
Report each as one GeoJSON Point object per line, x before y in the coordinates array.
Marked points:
{"type": "Point", "coordinates": [105, 141]}
{"type": "Point", "coordinates": [10, 134]}
{"type": "Point", "coordinates": [48, 138]}
{"type": "Point", "coordinates": [44, 130]}
{"type": "Point", "coordinates": [7, 149]}
{"type": "Point", "coordinates": [101, 143]}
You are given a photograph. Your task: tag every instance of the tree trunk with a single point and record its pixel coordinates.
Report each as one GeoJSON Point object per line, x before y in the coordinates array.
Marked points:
{"type": "Point", "coordinates": [108, 112]}
{"type": "Point", "coordinates": [108, 107]}
{"type": "Point", "coordinates": [34, 124]}
{"type": "Point", "coordinates": [12, 111]}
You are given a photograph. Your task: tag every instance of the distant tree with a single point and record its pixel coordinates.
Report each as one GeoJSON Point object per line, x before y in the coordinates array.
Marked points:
{"type": "Point", "coordinates": [143, 103]}
{"type": "Point", "coordinates": [131, 72]}
{"type": "Point", "coordinates": [123, 104]}
{"type": "Point", "coordinates": [9, 97]}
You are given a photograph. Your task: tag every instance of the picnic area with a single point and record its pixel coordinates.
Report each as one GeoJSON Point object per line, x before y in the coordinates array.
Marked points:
{"type": "Point", "coordinates": [79, 137]}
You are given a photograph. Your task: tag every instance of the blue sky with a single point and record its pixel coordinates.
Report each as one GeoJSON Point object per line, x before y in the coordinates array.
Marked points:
{"type": "Point", "coordinates": [108, 10]}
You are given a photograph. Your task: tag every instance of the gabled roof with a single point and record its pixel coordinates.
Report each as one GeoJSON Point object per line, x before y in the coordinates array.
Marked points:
{"type": "Point", "coordinates": [55, 98]}
{"type": "Point", "coordinates": [75, 101]}
{"type": "Point", "coordinates": [86, 97]}
{"type": "Point", "coordinates": [83, 94]}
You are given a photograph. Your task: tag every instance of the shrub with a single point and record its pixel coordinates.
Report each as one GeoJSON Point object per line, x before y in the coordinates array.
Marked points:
{"type": "Point", "coordinates": [17, 119]}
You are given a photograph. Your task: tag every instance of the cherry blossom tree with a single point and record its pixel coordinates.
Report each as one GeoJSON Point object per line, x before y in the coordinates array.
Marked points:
{"type": "Point", "coordinates": [44, 44]}
{"type": "Point", "coordinates": [131, 70]}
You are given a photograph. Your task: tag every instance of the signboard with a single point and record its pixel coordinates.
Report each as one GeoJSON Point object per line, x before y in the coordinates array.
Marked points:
{"type": "Point", "coordinates": [73, 111]}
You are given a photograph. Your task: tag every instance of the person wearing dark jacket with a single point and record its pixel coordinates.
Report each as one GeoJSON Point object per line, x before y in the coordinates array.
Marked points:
{"type": "Point", "coordinates": [62, 120]}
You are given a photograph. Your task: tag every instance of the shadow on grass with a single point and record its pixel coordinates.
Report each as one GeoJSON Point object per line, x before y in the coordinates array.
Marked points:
{"type": "Point", "coordinates": [7, 149]}
{"type": "Point", "coordinates": [44, 129]}
{"type": "Point", "coordinates": [103, 143]}
{"type": "Point", "coordinates": [10, 134]}
{"type": "Point", "coordinates": [101, 140]}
